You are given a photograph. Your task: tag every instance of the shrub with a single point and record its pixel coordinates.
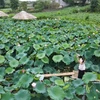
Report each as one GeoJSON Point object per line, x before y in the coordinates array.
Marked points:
{"type": "Point", "coordinates": [95, 5]}
{"type": "Point", "coordinates": [70, 2]}
{"type": "Point", "coordinates": [39, 6]}
{"type": "Point", "coordinates": [23, 6]}
{"type": "Point", "coordinates": [45, 4]}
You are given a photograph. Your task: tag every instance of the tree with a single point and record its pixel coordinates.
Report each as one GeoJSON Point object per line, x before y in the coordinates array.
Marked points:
{"type": "Point", "coordinates": [83, 2]}
{"type": "Point", "coordinates": [94, 5]}
{"type": "Point", "coordinates": [2, 3]}
{"type": "Point", "coordinates": [14, 4]}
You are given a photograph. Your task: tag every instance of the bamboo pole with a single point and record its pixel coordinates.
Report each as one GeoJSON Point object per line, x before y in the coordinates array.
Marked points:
{"type": "Point", "coordinates": [59, 74]}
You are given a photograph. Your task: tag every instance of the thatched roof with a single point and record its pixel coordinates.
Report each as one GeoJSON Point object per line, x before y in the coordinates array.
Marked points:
{"type": "Point", "coordinates": [2, 14]}
{"type": "Point", "coordinates": [24, 16]}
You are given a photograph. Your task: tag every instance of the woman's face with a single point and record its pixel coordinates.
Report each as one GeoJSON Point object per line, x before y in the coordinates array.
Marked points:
{"type": "Point", "coordinates": [80, 60]}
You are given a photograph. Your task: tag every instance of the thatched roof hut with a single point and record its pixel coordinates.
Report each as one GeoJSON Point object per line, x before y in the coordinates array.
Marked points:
{"type": "Point", "coordinates": [2, 14]}
{"type": "Point", "coordinates": [24, 16]}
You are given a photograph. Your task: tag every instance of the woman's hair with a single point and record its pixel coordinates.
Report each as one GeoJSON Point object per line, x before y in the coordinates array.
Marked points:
{"type": "Point", "coordinates": [82, 58]}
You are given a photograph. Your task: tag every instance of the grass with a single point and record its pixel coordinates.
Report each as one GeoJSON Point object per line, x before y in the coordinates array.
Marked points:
{"type": "Point", "coordinates": [78, 14]}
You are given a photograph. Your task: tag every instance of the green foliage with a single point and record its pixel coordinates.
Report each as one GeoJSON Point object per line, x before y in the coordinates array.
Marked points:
{"type": "Point", "coordinates": [70, 2]}
{"type": "Point", "coordinates": [2, 3]}
{"type": "Point", "coordinates": [46, 46]}
{"type": "Point", "coordinates": [14, 4]}
{"type": "Point", "coordinates": [23, 6]}
{"type": "Point", "coordinates": [45, 4]}
{"type": "Point", "coordinates": [95, 5]}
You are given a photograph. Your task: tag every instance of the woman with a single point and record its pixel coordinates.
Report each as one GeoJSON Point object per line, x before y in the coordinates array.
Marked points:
{"type": "Point", "coordinates": [81, 68]}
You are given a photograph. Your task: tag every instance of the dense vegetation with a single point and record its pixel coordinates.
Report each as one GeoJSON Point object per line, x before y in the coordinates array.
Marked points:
{"type": "Point", "coordinates": [28, 48]}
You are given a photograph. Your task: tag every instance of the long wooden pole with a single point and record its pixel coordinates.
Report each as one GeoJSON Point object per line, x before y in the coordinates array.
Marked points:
{"type": "Point", "coordinates": [59, 74]}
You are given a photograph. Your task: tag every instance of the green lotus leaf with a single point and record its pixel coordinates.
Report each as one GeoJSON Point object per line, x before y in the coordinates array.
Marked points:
{"type": "Point", "coordinates": [20, 48]}
{"type": "Point", "coordinates": [49, 51]}
{"type": "Point", "coordinates": [95, 68]}
{"type": "Point", "coordinates": [25, 81]}
{"type": "Point", "coordinates": [9, 70]}
{"type": "Point", "coordinates": [14, 63]}
{"type": "Point", "coordinates": [38, 63]}
{"type": "Point", "coordinates": [88, 64]}
{"type": "Point", "coordinates": [77, 82]}
{"type": "Point", "coordinates": [89, 77]}
{"type": "Point", "coordinates": [88, 54]}
{"type": "Point", "coordinates": [2, 71]}
{"type": "Point", "coordinates": [92, 95]}
{"type": "Point", "coordinates": [59, 82]}
{"type": "Point", "coordinates": [66, 45]}
{"type": "Point", "coordinates": [9, 58]}
{"type": "Point", "coordinates": [20, 55]}
{"type": "Point", "coordinates": [2, 59]}
{"type": "Point", "coordinates": [56, 93]}
{"type": "Point", "coordinates": [2, 46]}
{"type": "Point", "coordinates": [49, 69]}
{"type": "Point", "coordinates": [47, 82]}
{"type": "Point", "coordinates": [1, 90]}
{"type": "Point", "coordinates": [67, 60]}
{"type": "Point", "coordinates": [22, 95]}
{"type": "Point", "coordinates": [57, 58]}
{"type": "Point", "coordinates": [45, 60]}
{"type": "Point", "coordinates": [24, 60]}
{"type": "Point", "coordinates": [36, 46]}
{"type": "Point", "coordinates": [52, 79]}
{"type": "Point", "coordinates": [9, 89]}
{"type": "Point", "coordinates": [80, 90]}
{"type": "Point", "coordinates": [66, 87]}
{"type": "Point", "coordinates": [1, 78]}
{"type": "Point", "coordinates": [36, 70]}
{"type": "Point", "coordinates": [97, 53]}
{"type": "Point", "coordinates": [40, 55]}
{"type": "Point", "coordinates": [40, 87]}
{"type": "Point", "coordinates": [69, 95]}
{"type": "Point", "coordinates": [7, 96]}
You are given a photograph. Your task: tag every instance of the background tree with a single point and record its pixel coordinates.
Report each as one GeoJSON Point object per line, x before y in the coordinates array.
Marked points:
{"type": "Point", "coordinates": [14, 4]}
{"type": "Point", "coordinates": [94, 5]}
{"type": "Point", "coordinates": [83, 2]}
{"type": "Point", "coordinates": [2, 3]}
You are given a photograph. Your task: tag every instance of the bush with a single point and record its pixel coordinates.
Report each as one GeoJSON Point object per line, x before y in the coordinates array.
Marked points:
{"type": "Point", "coordinates": [70, 2]}
{"type": "Point", "coordinates": [95, 5]}
{"type": "Point", "coordinates": [14, 4]}
{"type": "Point", "coordinates": [45, 4]}
{"type": "Point", "coordinates": [23, 6]}
{"type": "Point", "coordinates": [39, 6]}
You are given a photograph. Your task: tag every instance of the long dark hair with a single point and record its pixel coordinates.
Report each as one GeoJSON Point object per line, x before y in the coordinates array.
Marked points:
{"type": "Point", "coordinates": [82, 58]}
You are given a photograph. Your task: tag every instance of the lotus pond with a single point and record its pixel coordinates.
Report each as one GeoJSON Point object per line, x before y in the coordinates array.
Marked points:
{"type": "Point", "coordinates": [28, 48]}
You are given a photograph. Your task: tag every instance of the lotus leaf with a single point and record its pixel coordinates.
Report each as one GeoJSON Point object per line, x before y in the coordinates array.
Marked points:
{"type": "Point", "coordinates": [7, 96]}
{"type": "Point", "coordinates": [59, 82]}
{"type": "Point", "coordinates": [25, 81]}
{"type": "Point", "coordinates": [57, 58]}
{"type": "Point", "coordinates": [40, 87]}
{"type": "Point", "coordinates": [2, 59]}
{"type": "Point", "coordinates": [24, 60]}
{"type": "Point", "coordinates": [45, 60]}
{"type": "Point", "coordinates": [80, 90]}
{"type": "Point", "coordinates": [89, 77]}
{"type": "Point", "coordinates": [9, 70]}
{"type": "Point", "coordinates": [78, 82]}
{"type": "Point", "coordinates": [1, 90]}
{"type": "Point", "coordinates": [41, 55]}
{"type": "Point", "coordinates": [22, 95]}
{"type": "Point", "coordinates": [97, 53]}
{"type": "Point", "coordinates": [14, 63]}
{"type": "Point", "coordinates": [56, 93]}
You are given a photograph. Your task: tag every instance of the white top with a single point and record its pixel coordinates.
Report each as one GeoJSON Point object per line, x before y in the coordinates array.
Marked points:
{"type": "Point", "coordinates": [82, 66]}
